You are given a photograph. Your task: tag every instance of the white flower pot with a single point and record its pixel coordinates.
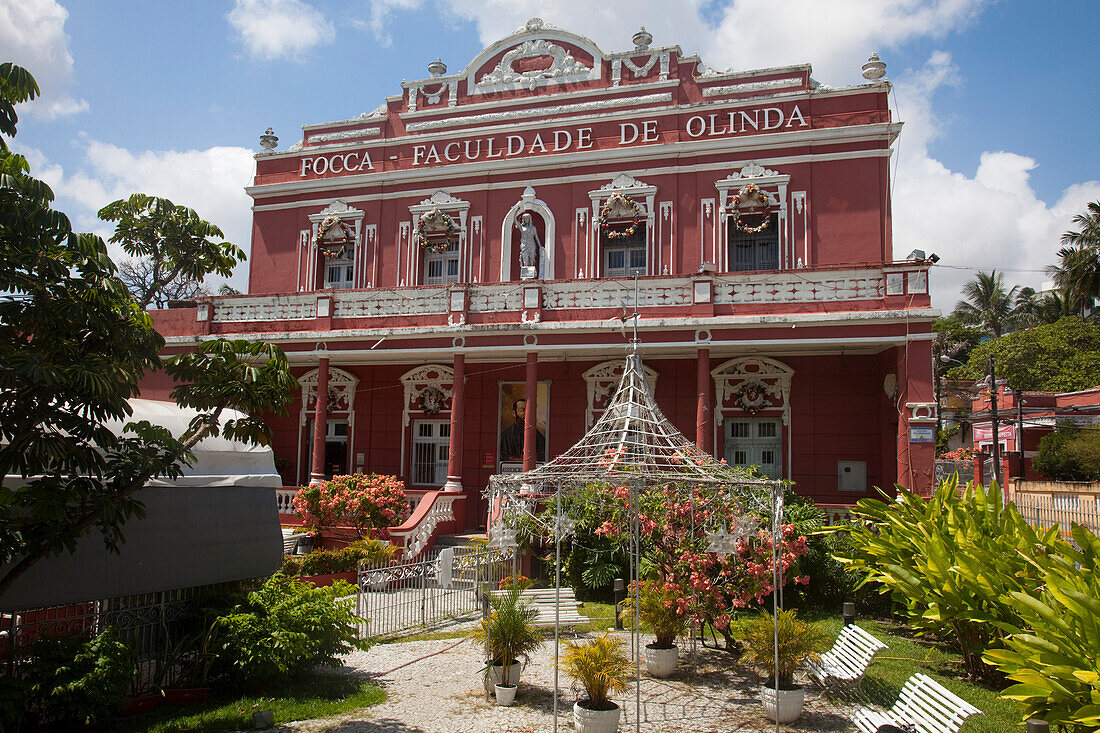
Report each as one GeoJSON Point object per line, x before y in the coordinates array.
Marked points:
{"type": "Point", "coordinates": [495, 676]}
{"type": "Point", "coordinates": [506, 695]}
{"type": "Point", "coordinates": [789, 705]}
{"type": "Point", "coordinates": [661, 663]}
{"type": "Point", "coordinates": [595, 721]}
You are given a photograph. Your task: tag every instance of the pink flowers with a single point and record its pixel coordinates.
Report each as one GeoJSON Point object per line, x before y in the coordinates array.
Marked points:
{"type": "Point", "coordinates": [368, 501]}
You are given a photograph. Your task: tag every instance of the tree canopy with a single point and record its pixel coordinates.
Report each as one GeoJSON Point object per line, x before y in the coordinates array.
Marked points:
{"type": "Point", "coordinates": [74, 344]}
{"type": "Point", "coordinates": [1057, 357]}
{"type": "Point", "coordinates": [987, 303]}
{"type": "Point", "coordinates": [174, 247]}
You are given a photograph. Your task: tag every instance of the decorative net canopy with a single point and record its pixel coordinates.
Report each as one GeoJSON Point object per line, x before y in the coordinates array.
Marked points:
{"type": "Point", "coordinates": [633, 442]}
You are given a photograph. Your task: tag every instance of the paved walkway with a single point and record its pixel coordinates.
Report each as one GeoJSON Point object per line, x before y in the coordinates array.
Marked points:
{"type": "Point", "coordinates": [436, 687]}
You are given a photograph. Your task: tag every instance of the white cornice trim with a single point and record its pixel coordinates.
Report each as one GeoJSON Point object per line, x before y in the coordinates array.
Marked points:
{"type": "Point", "coordinates": [564, 109]}
{"type": "Point", "coordinates": [832, 135]}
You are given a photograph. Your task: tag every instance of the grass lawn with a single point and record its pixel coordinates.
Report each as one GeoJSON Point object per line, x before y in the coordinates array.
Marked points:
{"type": "Point", "coordinates": [314, 696]}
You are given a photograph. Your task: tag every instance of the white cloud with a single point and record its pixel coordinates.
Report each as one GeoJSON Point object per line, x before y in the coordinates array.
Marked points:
{"type": "Point", "coordinates": [209, 181]}
{"type": "Point", "coordinates": [32, 35]}
{"type": "Point", "coordinates": [272, 29]}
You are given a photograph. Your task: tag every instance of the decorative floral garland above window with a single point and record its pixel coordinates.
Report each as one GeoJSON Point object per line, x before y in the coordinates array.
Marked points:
{"type": "Point", "coordinates": [750, 199]}
{"type": "Point", "coordinates": [435, 222]}
{"type": "Point", "coordinates": [752, 397]}
{"type": "Point", "coordinates": [618, 200]}
{"type": "Point", "coordinates": [336, 248]}
{"type": "Point", "coordinates": [431, 400]}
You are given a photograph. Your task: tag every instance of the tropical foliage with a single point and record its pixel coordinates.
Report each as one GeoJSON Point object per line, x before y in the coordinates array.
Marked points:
{"type": "Point", "coordinates": [174, 249]}
{"type": "Point", "coordinates": [75, 344]}
{"type": "Point", "coordinates": [1056, 357]}
{"type": "Point", "coordinates": [1052, 654]}
{"type": "Point", "coordinates": [600, 665]}
{"type": "Point", "coordinates": [799, 642]}
{"type": "Point", "coordinates": [1069, 454]}
{"type": "Point", "coordinates": [510, 630]}
{"type": "Point", "coordinates": [286, 627]}
{"type": "Point", "coordinates": [369, 502]}
{"type": "Point", "coordinates": [949, 561]}
{"type": "Point", "coordinates": [987, 303]}
{"type": "Point", "coordinates": [346, 559]}
{"type": "Point", "coordinates": [660, 608]}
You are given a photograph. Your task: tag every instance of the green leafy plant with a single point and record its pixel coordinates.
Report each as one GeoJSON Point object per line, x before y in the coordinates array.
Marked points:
{"type": "Point", "coordinates": [286, 627]}
{"type": "Point", "coordinates": [601, 666]}
{"type": "Point", "coordinates": [344, 560]}
{"type": "Point", "coordinates": [1069, 454]}
{"type": "Point", "coordinates": [661, 607]}
{"type": "Point", "coordinates": [799, 642]}
{"type": "Point", "coordinates": [368, 502]}
{"type": "Point", "coordinates": [77, 679]}
{"type": "Point", "coordinates": [1052, 656]}
{"type": "Point", "coordinates": [510, 630]}
{"type": "Point", "coordinates": [950, 560]}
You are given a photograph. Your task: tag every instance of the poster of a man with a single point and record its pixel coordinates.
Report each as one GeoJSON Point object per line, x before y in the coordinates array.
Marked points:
{"type": "Point", "coordinates": [513, 411]}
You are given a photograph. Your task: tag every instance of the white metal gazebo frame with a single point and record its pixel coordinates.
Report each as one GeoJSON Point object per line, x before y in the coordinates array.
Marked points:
{"type": "Point", "coordinates": [634, 445]}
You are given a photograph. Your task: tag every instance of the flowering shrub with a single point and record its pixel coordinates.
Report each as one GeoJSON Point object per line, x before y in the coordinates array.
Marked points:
{"type": "Point", "coordinates": [368, 501]}
{"type": "Point", "coordinates": [515, 582]}
{"type": "Point", "coordinates": [324, 562]}
{"type": "Point", "coordinates": [674, 524]}
{"type": "Point", "coordinates": [959, 454]}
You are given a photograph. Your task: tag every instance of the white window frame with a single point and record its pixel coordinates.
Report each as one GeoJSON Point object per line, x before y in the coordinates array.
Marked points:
{"type": "Point", "coordinates": [353, 218]}
{"type": "Point", "coordinates": [774, 184]}
{"type": "Point", "coordinates": [628, 249]}
{"type": "Point", "coordinates": [754, 445]}
{"type": "Point", "coordinates": [347, 267]}
{"type": "Point", "coordinates": [640, 193]}
{"type": "Point", "coordinates": [447, 258]}
{"type": "Point", "coordinates": [439, 443]}
{"type": "Point", "coordinates": [414, 266]}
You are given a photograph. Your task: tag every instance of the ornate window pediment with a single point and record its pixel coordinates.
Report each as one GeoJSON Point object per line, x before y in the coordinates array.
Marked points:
{"type": "Point", "coordinates": [751, 385]}
{"type": "Point", "coordinates": [341, 391]}
{"type": "Point", "coordinates": [428, 390]}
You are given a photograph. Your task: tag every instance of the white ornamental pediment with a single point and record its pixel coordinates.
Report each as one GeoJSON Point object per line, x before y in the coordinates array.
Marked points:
{"type": "Point", "coordinates": [427, 389]}
{"type": "Point", "coordinates": [561, 67]}
{"type": "Point", "coordinates": [441, 198]}
{"type": "Point", "coordinates": [622, 182]}
{"type": "Point", "coordinates": [752, 384]}
{"type": "Point", "coordinates": [338, 210]}
{"type": "Point", "coordinates": [752, 170]}
{"type": "Point", "coordinates": [341, 390]}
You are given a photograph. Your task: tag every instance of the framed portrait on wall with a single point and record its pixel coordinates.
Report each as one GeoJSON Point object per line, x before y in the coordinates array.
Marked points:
{"type": "Point", "coordinates": [512, 410]}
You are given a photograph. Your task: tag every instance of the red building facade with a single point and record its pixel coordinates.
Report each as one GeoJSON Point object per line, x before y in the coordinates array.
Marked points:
{"type": "Point", "coordinates": [426, 265]}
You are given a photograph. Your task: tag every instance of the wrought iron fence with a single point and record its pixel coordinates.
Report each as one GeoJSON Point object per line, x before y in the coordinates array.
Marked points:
{"type": "Point", "coordinates": [151, 624]}
{"type": "Point", "coordinates": [398, 597]}
{"type": "Point", "coordinates": [945, 467]}
{"type": "Point", "coordinates": [1046, 510]}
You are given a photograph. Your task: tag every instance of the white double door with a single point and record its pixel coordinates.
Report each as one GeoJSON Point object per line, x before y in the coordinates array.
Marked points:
{"type": "Point", "coordinates": [755, 441]}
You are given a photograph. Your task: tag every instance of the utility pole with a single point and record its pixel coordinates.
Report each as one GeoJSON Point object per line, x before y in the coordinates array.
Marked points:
{"type": "Point", "coordinates": [1020, 423]}
{"type": "Point", "coordinates": [993, 417]}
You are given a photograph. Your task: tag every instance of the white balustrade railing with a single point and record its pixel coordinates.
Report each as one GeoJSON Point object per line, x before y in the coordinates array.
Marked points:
{"type": "Point", "coordinates": [415, 538]}
{"type": "Point", "coordinates": [799, 286]}
{"type": "Point", "coordinates": [265, 308]}
{"type": "Point", "coordinates": [404, 302]}
{"type": "Point", "coordinates": [284, 500]}
{"type": "Point", "coordinates": [791, 286]}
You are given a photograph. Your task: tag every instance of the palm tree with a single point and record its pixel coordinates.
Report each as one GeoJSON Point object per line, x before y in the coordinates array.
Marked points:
{"type": "Point", "coordinates": [1053, 307]}
{"type": "Point", "coordinates": [987, 303]}
{"type": "Point", "coordinates": [1078, 275]}
{"type": "Point", "coordinates": [1088, 233]}
{"type": "Point", "coordinates": [1026, 310]}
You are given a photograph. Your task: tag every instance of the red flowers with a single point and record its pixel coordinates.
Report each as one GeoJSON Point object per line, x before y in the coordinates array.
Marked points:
{"type": "Point", "coordinates": [367, 501]}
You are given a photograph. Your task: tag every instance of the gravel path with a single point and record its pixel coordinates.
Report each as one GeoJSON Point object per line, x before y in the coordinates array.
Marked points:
{"type": "Point", "coordinates": [436, 687]}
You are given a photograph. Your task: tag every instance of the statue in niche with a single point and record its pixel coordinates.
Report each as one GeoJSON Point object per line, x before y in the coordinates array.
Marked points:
{"type": "Point", "coordinates": [532, 254]}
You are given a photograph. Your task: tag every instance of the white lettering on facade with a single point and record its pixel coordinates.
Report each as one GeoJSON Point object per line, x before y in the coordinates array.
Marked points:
{"type": "Point", "coordinates": [761, 119]}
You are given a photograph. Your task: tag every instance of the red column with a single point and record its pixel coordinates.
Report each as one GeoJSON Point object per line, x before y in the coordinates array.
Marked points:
{"type": "Point", "coordinates": [530, 454]}
{"type": "Point", "coordinates": [704, 423]}
{"type": "Point", "coordinates": [320, 423]}
{"type": "Point", "coordinates": [454, 455]}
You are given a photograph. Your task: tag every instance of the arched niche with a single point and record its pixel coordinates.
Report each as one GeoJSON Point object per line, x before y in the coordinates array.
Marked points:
{"type": "Point", "coordinates": [509, 236]}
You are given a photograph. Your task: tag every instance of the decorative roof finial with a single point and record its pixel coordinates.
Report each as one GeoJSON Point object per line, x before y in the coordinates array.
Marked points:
{"type": "Point", "coordinates": [268, 141]}
{"type": "Point", "coordinates": [534, 25]}
{"type": "Point", "coordinates": [437, 68]}
{"type": "Point", "coordinates": [642, 39]}
{"type": "Point", "coordinates": [874, 69]}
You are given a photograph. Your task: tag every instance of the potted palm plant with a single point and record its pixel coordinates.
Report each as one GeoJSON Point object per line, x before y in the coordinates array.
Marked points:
{"type": "Point", "coordinates": [799, 642]}
{"type": "Point", "coordinates": [602, 667]}
{"type": "Point", "coordinates": [658, 608]}
{"type": "Point", "coordinates": [510, 635]}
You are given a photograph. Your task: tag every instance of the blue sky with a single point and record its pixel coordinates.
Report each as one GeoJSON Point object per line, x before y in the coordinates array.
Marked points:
{"type": "Point", "coordinates": [169, 98]}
